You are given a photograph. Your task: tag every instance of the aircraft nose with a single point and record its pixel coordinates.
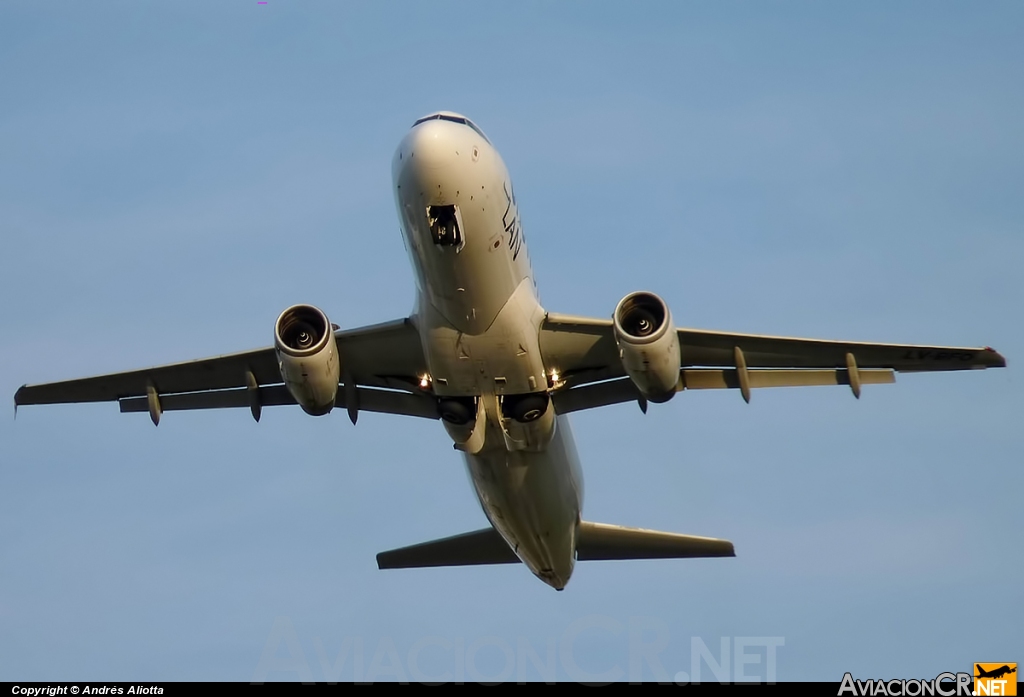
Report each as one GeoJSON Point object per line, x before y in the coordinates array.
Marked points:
{"type": "Point", "coordinates": [432, 145]}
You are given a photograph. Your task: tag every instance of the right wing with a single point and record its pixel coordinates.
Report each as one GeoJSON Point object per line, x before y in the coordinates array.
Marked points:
{"type": "Point", "coordinates": [384, 360]}
{"type": "Point", "coordinates": [584, 352]}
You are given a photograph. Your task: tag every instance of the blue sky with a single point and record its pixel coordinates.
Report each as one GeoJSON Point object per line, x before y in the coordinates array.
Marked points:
{"type": "Point", "coordinates": [173, 175]}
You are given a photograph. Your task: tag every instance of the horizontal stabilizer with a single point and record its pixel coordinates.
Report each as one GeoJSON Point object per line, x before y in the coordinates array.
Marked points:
{"type": "Point", "coordinates": [599, 541]}
{"type": "Point", "coordinates": [595, 541]}
{"type": "Point", "coordinates": [471, 548]}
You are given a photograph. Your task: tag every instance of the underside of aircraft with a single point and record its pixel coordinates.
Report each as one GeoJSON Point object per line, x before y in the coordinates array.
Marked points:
{"type": "Point", "coordinates": [499, 371]}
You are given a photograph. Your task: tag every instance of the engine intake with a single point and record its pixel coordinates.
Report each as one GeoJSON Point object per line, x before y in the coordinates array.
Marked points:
{"type": "Point", "coordinates": [308, 357]}
{"type": "Point", "coordinates": [648, 344]}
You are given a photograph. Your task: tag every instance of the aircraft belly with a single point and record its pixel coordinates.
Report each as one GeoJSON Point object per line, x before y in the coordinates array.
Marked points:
{"type": "Point", "coordinates": [531, 491]}
{"type": "Point", "coordinates": [533, 499]}
{"type": "Point", "coordinates": [504, 359]}
{"type": "Point", "coordinates": [479, 321]}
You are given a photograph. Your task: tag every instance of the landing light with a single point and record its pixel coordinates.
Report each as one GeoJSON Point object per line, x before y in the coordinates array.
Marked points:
{"type": "Point", "coordinates": [553, 379]}
{"type": "Point", "coordinates": [424, 382]}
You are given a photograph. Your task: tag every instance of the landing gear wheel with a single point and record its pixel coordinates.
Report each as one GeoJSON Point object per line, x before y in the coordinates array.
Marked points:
{"type": "Point", "coordinates": [529, 408]}
{"type": "Point", "coordinates": [456, 411]}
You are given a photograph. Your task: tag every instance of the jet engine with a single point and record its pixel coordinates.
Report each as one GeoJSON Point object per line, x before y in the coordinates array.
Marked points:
{"type": "Point", "coordinates": [308, 357]}
{"type": "Point", "coordinates": [648, 344]}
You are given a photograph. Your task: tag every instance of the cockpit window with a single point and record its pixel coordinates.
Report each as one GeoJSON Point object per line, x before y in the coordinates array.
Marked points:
{"type": "Point", "coordinates": [454, 119]}
{"type": "Point", "coordinates": [478, 131]}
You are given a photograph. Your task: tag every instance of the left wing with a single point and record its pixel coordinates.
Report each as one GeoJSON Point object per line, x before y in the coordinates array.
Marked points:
{"type": "Point", "coordinates": [385, 360]}
{"type": "Point", "coordinates": [584, 352]}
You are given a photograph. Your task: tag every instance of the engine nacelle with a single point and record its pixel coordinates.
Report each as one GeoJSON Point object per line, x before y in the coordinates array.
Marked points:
{"type": "Point", "coordinates": [648, 344]}
{"type": "Point", "coordinates": [308, 357]}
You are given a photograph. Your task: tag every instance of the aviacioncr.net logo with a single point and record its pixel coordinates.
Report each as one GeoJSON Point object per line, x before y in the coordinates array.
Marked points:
{"type": "Point", "coordinates": [943, 685]}
{"type": "Point", "coordinates": [995, 679]}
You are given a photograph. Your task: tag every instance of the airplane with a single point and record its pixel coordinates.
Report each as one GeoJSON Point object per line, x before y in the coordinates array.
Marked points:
{"type": "Point", "coordinates": [995, 673]}
{"type": "Point", "coordinates": [482, 355]}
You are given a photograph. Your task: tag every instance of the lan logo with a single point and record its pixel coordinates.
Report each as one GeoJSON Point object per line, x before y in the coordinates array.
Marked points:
{"type": "Point", "coordinates": [995, 679]}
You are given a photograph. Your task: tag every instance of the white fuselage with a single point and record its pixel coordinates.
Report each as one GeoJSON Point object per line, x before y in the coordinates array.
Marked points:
{"type": "Point", "coordinates": [479, 319]}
